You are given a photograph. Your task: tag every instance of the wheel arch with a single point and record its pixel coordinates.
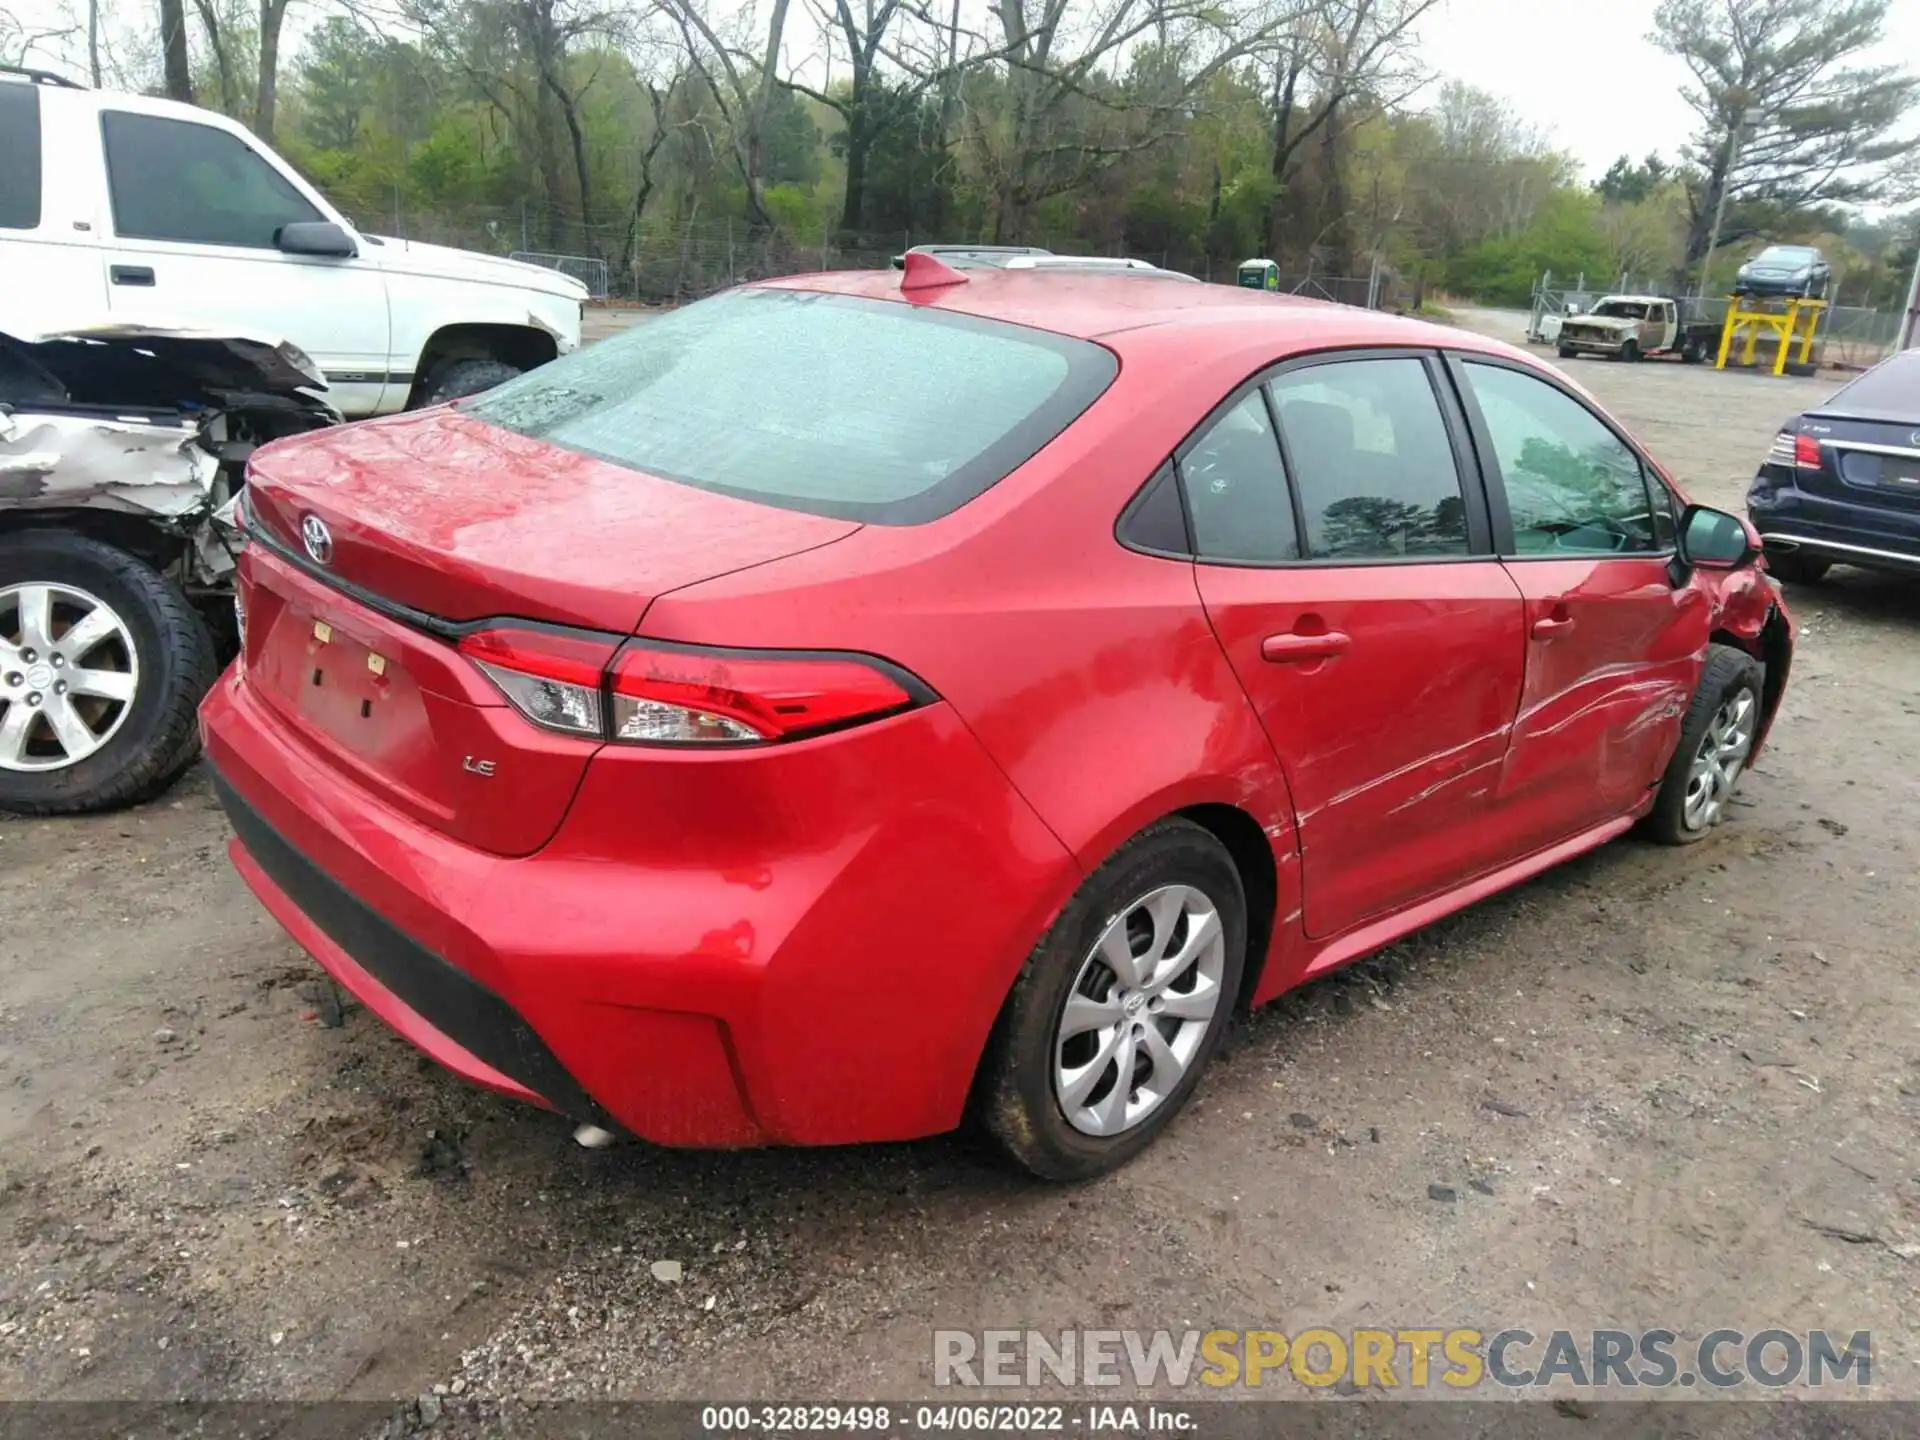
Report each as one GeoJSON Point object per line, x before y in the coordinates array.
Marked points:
{"type": "Point", "coordinates": [1252, 854]}
{"type": "Point", "coordinates": [524, 346]}
{"type": "Point", "coordinates": [1772, 646]}
{"type": "Point", "coordinates": [148, 540]}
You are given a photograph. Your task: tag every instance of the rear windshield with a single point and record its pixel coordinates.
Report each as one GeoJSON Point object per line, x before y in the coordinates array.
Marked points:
{"type": "Point", "coordinates": [860, 409]}
{"type": "Point", "coordinates": [1889, 391]}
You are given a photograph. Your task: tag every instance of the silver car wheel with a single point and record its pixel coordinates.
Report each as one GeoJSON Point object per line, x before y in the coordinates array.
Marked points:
{"type": "Point", "coordinates": [1717, 764]}
{"type": "Point", "coordinates": [68, 675]}
{"type": "Point", "coordinates": [1138, 1010]}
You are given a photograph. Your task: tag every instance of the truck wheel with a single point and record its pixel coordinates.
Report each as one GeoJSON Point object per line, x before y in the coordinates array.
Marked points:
{"type": "Point", "coordinates": [1630, 351]}
{"type": "Point", "coordinates": [1566, 352]}
{"type": "Point", "coordinates": [103, 664]}
{"type": "Point", "coordinates": [1692, 352]}
{"type": "Point", "coordinates": [459, 378]}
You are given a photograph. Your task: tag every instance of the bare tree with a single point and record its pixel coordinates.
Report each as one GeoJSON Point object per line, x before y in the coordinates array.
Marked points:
{"type": "Point", "coordinates": [272, 14]}
{"type": "Point", "coordinates": [173, 51]}
{"type": "Point", "coordinates": [1065, 121]}
{"type": "Point", "coordinates": [546, 34]}
{"type": "Point", "coordinates": [862, 25]}
{"type": "Point", "coordinates": [1319, 61]}
{"type": "Point", "coordinates": [214, 28]}
{"type": "Point", "coordinates": [742, 83]}
{"type": "Point", "coordinates": [1788, 118]}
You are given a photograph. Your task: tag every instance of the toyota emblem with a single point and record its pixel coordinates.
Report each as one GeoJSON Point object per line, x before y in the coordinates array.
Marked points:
{"type": "Point", "coordinates": [1915, 437]}
{"type": "Point", "coordinates": [317, 538]}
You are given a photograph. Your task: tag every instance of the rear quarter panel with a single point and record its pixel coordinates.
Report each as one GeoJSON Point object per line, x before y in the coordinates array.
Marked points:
{"type": "Point", "coordinates": [1088, 672]}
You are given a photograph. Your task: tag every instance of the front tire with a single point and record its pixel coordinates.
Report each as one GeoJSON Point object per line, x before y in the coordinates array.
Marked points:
{"type": "Point", "coordinates": [1630, 352]}
{"type": "Point", "coordinates": [1716, 739]}
{"type": "Point", "coordinates": [103, 664]}
{"type": "Point", "coordinates": [1567, 352]}
{"type": "Point", "coordinates": [1119, 1007]}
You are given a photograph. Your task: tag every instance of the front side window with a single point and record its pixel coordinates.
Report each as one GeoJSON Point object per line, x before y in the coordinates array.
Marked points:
{"type": "Point", "coordinates": [1237, 491]}
{"type": "Point", "coordinates": [176, 180]}
{"type": "Point", "coordinates": [19, 156]}
{"type": "Point", "coordinates": [1572, 485]}
{"type": "Point", "coordinates": [1372, 461]}
{"type": "Point", "coordinates": [861, 409]}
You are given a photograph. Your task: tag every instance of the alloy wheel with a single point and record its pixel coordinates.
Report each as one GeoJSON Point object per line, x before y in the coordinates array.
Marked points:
{"type": "Point", "coordinates": [1139, 1010]}
{"type": "Point", "coordinates": [1717, 763]}
{"type": "Point", "coordinates": [68, 675]}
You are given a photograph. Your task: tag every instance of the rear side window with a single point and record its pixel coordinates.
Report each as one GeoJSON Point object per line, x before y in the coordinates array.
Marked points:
{"type": "Point", "coordinates": [1236, 490]}
{"type": "Point", "coordinates": [1372, 461]}
{"type": "Point", "coordinates": [19, 156]}
{"type": "Point", "coordinates": [175, 180]}
{"type": "Point", "coordinates": [861, 409]}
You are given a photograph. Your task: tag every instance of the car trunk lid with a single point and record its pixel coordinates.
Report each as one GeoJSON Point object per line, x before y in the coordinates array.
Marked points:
{"type": "Point", "coordinates": [459, 519]}
{"type": "Point", "coordinates": [1864, 461]}
{"type": "Point", "coordinates": [430, 523]}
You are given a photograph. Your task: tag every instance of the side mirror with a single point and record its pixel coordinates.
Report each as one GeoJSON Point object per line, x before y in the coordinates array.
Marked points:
{"type": "Point", "coordinates": [316, 237]}
{"type": "Point", "coordinates": [1714, 540]}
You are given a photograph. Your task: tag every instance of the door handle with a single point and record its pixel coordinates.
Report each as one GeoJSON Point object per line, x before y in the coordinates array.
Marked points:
{"type": "Point", "coordinates": [131, 274]}
{"type": "Point", "coordinates": [1297, 649]}
{"type": "Point", "coordinates": [1549, 626]}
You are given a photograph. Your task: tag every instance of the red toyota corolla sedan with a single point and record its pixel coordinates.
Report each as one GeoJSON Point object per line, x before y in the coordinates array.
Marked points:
{"type": "Point", "coordinates": [855, 703]}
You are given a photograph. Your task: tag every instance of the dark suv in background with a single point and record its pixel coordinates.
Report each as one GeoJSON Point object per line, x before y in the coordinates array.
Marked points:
{"type": "Point", "coordinates": [1842, 483]}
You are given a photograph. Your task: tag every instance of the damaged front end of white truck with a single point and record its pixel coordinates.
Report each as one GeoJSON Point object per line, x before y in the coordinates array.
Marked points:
{"type": "Point", "coordinates": [123, 449]}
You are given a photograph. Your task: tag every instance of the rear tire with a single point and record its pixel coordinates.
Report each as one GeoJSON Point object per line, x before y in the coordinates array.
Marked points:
{"type": "Point", "coordinates": [149, 632]}
{"type": "Point", "coordinates": [1172, 890]}
{"type": "Point", "coordinates": [1796, 567]}
{"type": "Point", "coordinates": [458, 379]}
{"type": "Point", "coordinates": [1716, 739]}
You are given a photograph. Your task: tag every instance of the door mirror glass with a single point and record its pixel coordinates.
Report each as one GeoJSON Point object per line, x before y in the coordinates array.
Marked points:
{"type": "Point", "coordinates": [315, 237]}
{"type": "Point", "coordinates": [1715, 540]}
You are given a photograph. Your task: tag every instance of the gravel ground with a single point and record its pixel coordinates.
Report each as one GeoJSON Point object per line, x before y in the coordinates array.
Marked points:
{"type": "Point", "coordinates": [1650, 1088]}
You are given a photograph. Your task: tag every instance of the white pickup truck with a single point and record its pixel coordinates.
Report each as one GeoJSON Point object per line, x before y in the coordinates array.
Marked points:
{"type": "Point", "coordinates": [157, 212]}
{"type": "Point", "coordinates": [173, 294]}
{"type": "Point", "coordinates": [1628, 327]}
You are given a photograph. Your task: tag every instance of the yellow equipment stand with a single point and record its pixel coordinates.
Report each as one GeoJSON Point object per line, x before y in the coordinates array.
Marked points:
{"type": "Point", "coordinates": [1784, 323]}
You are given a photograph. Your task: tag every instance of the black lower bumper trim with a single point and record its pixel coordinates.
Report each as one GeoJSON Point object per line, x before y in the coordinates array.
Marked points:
{"type": "Point", "coordinates": [446, 997]}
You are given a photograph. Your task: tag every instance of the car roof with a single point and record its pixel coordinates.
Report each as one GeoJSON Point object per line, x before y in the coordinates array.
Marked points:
{"type": "Point", "coordinates": [1140, 313]}
{"type": "Point", "coordinates": [1634, 299]}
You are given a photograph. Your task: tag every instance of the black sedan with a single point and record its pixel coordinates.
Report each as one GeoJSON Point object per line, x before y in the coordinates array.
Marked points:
{"type": "Point", "coordinates": [1842, 483]}
{"type": "Point", "coordinates": [1784, 270]}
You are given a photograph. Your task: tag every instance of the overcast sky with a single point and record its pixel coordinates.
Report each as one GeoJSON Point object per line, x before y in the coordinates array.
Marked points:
{"type": "Point", "coordinates": [1524, 51]}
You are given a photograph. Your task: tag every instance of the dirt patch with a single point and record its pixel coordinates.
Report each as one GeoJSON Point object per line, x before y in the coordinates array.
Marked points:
{"type": "Point", "coordinates": [1652, 1087]}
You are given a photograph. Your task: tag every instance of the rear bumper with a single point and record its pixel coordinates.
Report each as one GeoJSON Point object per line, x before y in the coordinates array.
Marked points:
{"type": "Point", "coordinates": [1842, 552]}
{"type": "Point", "coordinates": [1843, 530]}
{"type": "Point", "coordinates": [819, 962]}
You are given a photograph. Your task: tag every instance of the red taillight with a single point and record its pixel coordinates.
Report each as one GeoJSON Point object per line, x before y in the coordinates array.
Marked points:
{"type": "Point", "coordinates": [551, 676]}
{"type": "Point", "coordinates": [683, 694]}
{"type": "Point", "coordinates": [1806, 452]}
{"type": "Point", "coordinates": [669, 694]}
